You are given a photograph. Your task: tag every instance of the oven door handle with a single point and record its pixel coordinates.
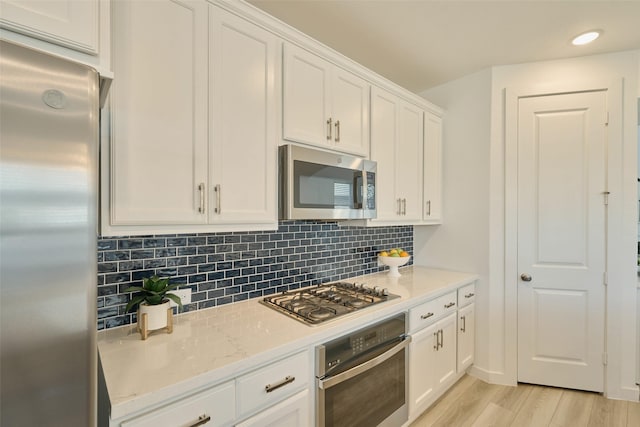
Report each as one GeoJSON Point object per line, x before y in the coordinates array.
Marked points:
{"type": "Point", "coordinates": [356, 370]}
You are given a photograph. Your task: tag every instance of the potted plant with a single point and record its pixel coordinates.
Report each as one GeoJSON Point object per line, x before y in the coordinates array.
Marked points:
{"type": "Point", "coordinates": [153, 303]}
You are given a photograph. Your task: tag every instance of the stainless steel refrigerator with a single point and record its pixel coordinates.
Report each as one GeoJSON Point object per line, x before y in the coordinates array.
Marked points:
{"type": "Point", "coordinates": [49, 119]}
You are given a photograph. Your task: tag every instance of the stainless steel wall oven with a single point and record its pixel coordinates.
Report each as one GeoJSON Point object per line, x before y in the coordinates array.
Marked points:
{"type": "Point", "coordinates": [362, 377]}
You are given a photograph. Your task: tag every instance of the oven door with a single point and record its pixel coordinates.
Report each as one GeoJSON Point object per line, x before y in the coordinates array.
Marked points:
{"type": "Point", "coordinates": [372, 393]}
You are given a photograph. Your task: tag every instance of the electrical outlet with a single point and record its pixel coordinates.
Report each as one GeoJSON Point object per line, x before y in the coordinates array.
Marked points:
{"type": "Point", "coordinates": [184, 294]}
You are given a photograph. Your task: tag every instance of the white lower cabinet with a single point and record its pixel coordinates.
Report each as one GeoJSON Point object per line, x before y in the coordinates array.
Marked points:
{"type": "Point", "coordinates": [275, 394]}
{"type": "Point", "coordinates": [432, 362]}
{"type": "Point", "coordinates": [266, 386]}
{"type": "Point", "coordinates": [466, 336]}
{"type": "Point", "coordinates": [293, 412]}
{"type": "Point", "coordinates": [442, 346]}
{"type": "Point", "coordinates": [214, 407]}
{"type": "Point", "coordinates": [446, 361]}
{"type": "Point", "coordinates": [422, 359]}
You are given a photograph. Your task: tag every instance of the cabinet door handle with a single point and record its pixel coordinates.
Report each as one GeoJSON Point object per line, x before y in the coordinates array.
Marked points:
{"type": "Point", "coordinates": [218, 190]}
{"type": "Point", "coordinates": [428, 207]}
{"type": "Point", "coordinates": [464, 323]}
{"type": "Point", "coordinates": [469, 295]}
{"type": "Point", "coordinates": [451, 304]}
{"type": "Point", "coordinates": [337, 131]}
{"type": "Point", "coordinates": [202, 420]}
{"type": "Point", "coordinates": [398, 211]}
{"type": "Point", "coordinates": [441, 338]}
{"type": "Point", "coordinates": [436, 334]}
{"type": "Point", "coordinates": [287, 380]}
{"type": "Point", "coordinates": [201, 191]}
{"type": "Point", "coordinates": [426, 316]}
{"type": "Point", "coordinates": [329, 129]}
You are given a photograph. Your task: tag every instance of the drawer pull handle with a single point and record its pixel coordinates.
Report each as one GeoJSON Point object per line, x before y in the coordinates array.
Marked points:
{"type": "Point", "coordinates": [288, 379]}
{"type": "Point", "coordinates": [469, 295]}
{"type": "Point", "coordinates": [426, 316]}
{"type": "Point", "coordinates": [451, 304]}
{"type": "Point", "coordinates": [202, 420]}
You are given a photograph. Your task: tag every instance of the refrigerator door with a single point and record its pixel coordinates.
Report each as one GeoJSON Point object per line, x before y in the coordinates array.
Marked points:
{"type": "Point", "coordinates": [48, 183]}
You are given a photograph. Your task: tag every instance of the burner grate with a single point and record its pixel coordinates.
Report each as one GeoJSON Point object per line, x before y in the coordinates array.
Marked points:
{"type": "Point", "coordinates": [325, 302]}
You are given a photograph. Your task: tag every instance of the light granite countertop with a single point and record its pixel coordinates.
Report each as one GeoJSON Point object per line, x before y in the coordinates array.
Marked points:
{"type": "Point", "coordinates": [213, 345]}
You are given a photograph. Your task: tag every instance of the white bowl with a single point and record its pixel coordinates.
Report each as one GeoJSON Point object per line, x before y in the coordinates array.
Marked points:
{"type": "Point", "coordinates": [394, 262]}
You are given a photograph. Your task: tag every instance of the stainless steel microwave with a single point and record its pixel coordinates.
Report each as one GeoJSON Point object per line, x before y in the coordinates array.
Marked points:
{"type": "Point", "coordinates": [316, 184]}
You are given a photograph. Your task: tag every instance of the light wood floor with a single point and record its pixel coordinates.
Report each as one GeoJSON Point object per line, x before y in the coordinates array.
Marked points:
{"type": "Point", "coordinates": [472, 402]}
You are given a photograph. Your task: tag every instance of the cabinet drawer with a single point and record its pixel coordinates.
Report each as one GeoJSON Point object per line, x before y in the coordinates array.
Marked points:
{"type": "Point", "coordinates": [272, 383]}
{"type": "Point", "coordinates": [216, 404]}
{"type": "Point", "coordinates": [448, 303]}
{"type": "Point", "coordinates": [467, 295]}
{"type": "Point", "coordinates": [423, 315]}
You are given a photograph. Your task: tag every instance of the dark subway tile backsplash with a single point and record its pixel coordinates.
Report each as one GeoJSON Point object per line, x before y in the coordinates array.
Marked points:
{"type": "Point", "coordinates": [222, 268]}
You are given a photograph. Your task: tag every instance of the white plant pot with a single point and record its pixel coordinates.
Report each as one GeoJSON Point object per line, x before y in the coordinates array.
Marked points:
{"type": "Point", "coordinates": [156, 315]}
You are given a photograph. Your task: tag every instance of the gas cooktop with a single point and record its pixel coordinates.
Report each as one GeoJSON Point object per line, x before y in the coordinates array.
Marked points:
{"type": "Point", "coordinates": [320, 303]}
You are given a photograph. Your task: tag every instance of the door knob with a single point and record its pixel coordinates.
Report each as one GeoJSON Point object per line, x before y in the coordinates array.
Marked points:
{"type": "Point", "coordinates": [525, 277]}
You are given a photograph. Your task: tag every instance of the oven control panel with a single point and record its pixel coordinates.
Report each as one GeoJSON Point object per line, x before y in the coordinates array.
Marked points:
{"type": "Point", "coordinates": [348, 347]}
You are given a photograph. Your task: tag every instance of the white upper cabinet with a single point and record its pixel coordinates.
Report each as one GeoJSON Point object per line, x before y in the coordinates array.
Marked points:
{"type": "Point", "coordinates": [324, 105]}
{"type": "Point", "coordinates": [242, 157]}
{"type": "Point", "coordinates": [409, 161]}
{"type": "Point", "coordinates": [432, 196]}
{"type": "Point", "coordinates": [69, 23]}
{"type": "Point", "coordinates": [159, 113]}
{"type": "Point", "coordinates": [396, 145]}
{"type": "Point", "coordinates": [73, 29]}
{"type": "Point", "coordinates": [193, 121]}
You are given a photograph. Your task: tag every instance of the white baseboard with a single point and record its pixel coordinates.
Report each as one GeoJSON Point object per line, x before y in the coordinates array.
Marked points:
{"type": "Point", "coordinates": [491, 377]}
{"type": "Point", "coordinates": [631, 394]}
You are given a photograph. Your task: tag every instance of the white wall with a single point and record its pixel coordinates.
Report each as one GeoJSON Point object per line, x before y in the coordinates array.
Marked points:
{"type": "Point", "coordinates": [485, 214]}
{"type": "Point", "coordinates": [461, 243]}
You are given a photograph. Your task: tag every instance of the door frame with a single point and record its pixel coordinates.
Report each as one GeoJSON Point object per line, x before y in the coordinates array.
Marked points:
{"type": "Point", "coordinates": [614, 226]}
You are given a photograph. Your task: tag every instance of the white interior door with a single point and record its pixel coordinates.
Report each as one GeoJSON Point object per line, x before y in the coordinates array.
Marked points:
{"type": "Point", "coordinates": [561, 239]}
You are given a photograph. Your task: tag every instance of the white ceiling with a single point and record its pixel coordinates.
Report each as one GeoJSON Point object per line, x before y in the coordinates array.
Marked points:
{"type": "Point", "coordinates": [420, 44]}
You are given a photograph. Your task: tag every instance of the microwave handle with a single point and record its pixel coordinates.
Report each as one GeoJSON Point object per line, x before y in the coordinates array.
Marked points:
{"type": "Point", "coordinates": [359, 185]}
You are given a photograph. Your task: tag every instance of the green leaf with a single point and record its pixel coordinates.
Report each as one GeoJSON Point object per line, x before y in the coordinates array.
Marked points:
{"type": "Point", "coordinates": [176, 299]}
{"type": "Point", "coordinates": [154, 299]}
{"type": "Point", "coordinates": [135, 289]}
{"type": "Point", "coordinates": [134, 301]}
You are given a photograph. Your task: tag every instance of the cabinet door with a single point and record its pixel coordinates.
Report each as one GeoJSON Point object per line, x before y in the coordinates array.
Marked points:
{"type": "Point", "coordinates": [242, 158]}
{"type": "Point", "coordinates": [214, 407]}
{"type": "Point", "coordinates": [409, 161]}
{"type": "Point", "coordinates": [466, 336]}
{"type": "Point", "coordinates": [350, 112]}
{"type": "Point", "coordinates": [158, 112]}
{"type": "Point", "coordinates": [422, 361]}
{"type": "Point", "coordinates": [68, 23]}
{"type": "Point", "coordinates": [293, 412]}
{"type": "Point", "coordinates": [384, 128]}
{"type": "Point", "coordinates": [306, 104]}
{"type": "Point", "coordinates": [432, 209]}
{"type": "Point", "coordinates": [447, 362]}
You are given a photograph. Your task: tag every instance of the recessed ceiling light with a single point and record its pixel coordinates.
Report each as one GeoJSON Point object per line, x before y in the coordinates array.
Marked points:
{"type": "Point", "coordinates": [587, 37]}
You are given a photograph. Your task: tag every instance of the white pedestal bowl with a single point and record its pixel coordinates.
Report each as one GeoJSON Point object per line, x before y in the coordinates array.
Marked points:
{"type": "Point", "coordinates": [394, 263]}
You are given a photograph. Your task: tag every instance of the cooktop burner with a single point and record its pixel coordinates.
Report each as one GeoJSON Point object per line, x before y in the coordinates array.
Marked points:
{"type": "Point", "coordinates": [325, 302]}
